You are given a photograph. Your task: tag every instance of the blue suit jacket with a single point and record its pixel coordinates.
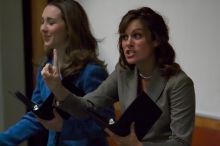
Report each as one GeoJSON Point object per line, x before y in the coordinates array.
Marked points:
{"type": "Point", "coordinates": [76, 132]}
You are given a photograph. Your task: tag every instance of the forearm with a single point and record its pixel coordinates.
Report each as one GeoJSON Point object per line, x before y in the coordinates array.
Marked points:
{"type": "Point", "coordinates": [21, 131]}
{"type": "Point", "coordinates": [77, 106]}
{"type": "Point", "coordinates": [73, 104]}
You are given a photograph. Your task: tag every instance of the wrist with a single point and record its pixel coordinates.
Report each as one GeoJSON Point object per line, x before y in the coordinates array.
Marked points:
{"type": "Point", "coordinates": [60, 93]}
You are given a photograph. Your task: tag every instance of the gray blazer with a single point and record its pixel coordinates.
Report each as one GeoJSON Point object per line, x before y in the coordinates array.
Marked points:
{"type": "Point", "coordinates": [175, 97]}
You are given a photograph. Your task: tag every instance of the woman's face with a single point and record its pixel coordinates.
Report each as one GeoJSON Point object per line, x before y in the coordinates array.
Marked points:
{"type": "Point", "coordinates": [53, 28]}
{"type": "Point", "coordinates": [137, 44]}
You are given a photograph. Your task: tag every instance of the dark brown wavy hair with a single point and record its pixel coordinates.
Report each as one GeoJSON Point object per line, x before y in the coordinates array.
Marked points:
{"type": "Point", "coordinates": [153, 22]}
{"type": "Point", "coordinates": [82, 45]}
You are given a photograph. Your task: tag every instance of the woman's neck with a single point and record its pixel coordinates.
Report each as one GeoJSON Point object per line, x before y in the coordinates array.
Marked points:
{"type": "Point", "coordinates": [146, 67]}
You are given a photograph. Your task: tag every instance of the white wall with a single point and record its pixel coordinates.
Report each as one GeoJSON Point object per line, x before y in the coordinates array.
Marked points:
{"type": "Point", "coordinates": [195, 35]}
{"type": "Point", "coordinates": [11, 61]}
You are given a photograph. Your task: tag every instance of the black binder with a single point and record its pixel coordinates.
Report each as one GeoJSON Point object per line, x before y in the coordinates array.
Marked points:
{"type": "Point", "coordinates": [45, 110]}
{"type": "Point", "coordinates": [142, 111]}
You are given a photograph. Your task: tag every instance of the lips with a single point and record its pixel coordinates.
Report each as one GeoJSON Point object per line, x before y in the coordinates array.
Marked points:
{"type": "Point", "coordinates": [46, 37]}
{"type": "Point", "coordinates": [129, 53]}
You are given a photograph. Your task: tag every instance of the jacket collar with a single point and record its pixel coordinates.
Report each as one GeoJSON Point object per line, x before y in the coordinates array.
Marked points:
{"type": "Point", "coordinates": [157, 85]}
{"type": "Point", "coordinates": [130, 83]}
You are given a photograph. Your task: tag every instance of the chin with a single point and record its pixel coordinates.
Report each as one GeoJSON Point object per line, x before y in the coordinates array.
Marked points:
{"type": "Point", "coordinates": [47, 45]}
{"type": "Point", "coordinates": [47, 48]}
{"type": "Point", "coordinates": [130, 61]}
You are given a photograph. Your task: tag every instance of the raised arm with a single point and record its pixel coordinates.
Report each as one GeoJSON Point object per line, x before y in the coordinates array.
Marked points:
{"type": "Point", "coordinates": [106, 94]}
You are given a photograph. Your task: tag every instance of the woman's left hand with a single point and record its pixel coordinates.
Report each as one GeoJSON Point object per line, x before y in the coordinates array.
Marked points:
{"type": "Point", "coordinates": [130, 140]}
{"type": "Point", "coordinates": [55, 124]}
{"type": "Point", "coordinates": [51, 74]}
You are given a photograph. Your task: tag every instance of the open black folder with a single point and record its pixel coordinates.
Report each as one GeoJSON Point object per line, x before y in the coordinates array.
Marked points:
{"type": "Point", "coordinates": [45, 110]}
{"type": "Point", "coordinates": [142, 111]}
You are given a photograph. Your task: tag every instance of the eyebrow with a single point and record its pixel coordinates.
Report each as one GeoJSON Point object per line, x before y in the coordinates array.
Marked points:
{"type": "Point", "coordinates": [48, 18]}
{"type": "Point", "coordinates": [137, 29]}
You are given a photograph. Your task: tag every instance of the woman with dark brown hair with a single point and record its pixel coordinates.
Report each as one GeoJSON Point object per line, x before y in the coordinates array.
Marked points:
{"type": "Point", "coordinates": [146, 64]}
{"type": "Point", "coordinates": [65, 27]}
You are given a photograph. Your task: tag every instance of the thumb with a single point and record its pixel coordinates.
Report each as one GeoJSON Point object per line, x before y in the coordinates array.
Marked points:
{"type": "Point", "coordinates": [132, 128]}
{"type": "Point", "coordinates": [109, 132]}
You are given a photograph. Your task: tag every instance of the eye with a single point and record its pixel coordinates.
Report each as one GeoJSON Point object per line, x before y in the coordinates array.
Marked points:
{"type": "Point", "coordinates": [124, 37]}
{"type": "Point", "coordinates": [137, 36]}
{"type": "Point", "coordinates": [51, 22]}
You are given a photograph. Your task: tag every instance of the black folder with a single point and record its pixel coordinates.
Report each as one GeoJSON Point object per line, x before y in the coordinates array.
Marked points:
{"type": "Point", "coordinates": [45, 110]}
{"type": "Point", "coordinates": [142, 111]}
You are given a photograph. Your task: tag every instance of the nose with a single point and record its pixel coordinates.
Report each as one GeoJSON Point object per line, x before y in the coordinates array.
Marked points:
{"type": "Point", "coordinates": [129, 41]}
{"type": "Point", "coordinates": [43, 27]}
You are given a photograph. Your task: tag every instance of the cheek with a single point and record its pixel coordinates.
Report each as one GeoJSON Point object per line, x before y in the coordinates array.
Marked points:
{"type": "Point", "coordinates": [145, 49]}
{"type": "Point", "coordinates": [123, 45]}
{"type": "Point", "coordinates": [60, 35]}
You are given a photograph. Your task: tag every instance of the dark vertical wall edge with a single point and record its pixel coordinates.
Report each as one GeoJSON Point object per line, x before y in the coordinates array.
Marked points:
{"type": "Point", "coordinates": [40, 138]}
{"type": "Point", "coordinates": [26, 6]}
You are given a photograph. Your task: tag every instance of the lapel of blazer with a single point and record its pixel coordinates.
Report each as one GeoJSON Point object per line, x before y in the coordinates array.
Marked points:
{"type": "Point", "coordinates": [157, 85]}
{"type": "Point", "coordinates": [130, 83]}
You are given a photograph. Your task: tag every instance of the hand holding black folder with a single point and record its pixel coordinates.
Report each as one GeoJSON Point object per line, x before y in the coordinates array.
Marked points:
{"type": "Point", "coordinates": [143, 112]}
{"type": "Point", "coordinates": [45, 110]}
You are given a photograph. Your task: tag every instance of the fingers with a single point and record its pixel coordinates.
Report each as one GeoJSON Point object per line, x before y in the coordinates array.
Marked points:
{"type": "Point", "coordinates": [51, 70]}
{"type": "Point", "coordinates": [43, 122]}
{"type": "Point", "coordinates": [109, 132]}
{"type": "Point", "coordinates": [114, 136]}
{"type": "Point", "coordinates": [46, 71]}
{"type": "Point", "coordinates": [55, 59]}
{"type": "Point", "coordinates": [132, 129]}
